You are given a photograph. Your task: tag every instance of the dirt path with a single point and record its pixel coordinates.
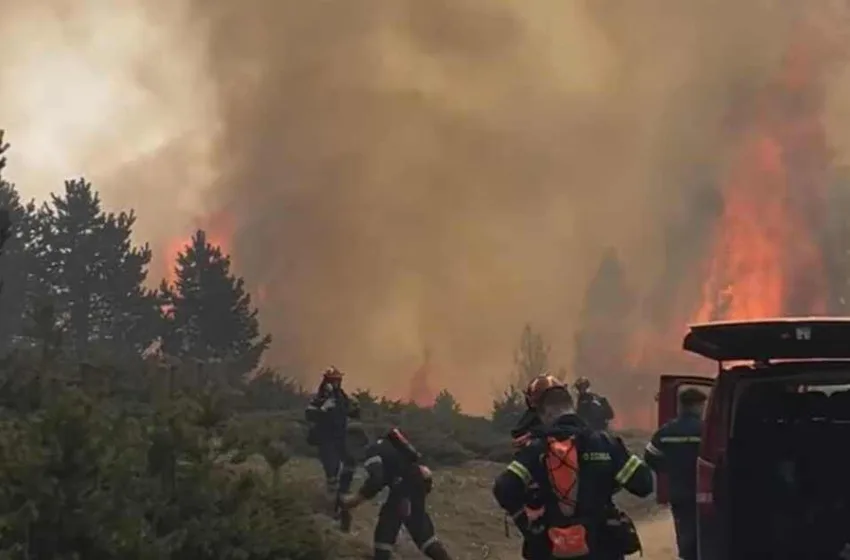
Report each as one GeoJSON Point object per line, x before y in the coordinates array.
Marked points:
{"type": "Point", "coordinates": [659, 542]}
{"type": "Point", "coordinates": [470, 524]}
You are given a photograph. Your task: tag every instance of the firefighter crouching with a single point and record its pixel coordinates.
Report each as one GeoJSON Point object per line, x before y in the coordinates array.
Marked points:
{"type": "Point", "coordinates": [673, 450]}
{"type": "Point", "coordinates": [327, 415]}
{"type": "Point", "coordinates": [578, 470]}
{"type": "Point", "coordinates": [392, 461]}
{"type": "Point", "coordinates": [594, 409]}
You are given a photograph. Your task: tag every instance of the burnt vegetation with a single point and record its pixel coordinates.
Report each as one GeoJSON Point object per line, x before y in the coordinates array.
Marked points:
{"type": "Point", "coordinates": [138, 423]}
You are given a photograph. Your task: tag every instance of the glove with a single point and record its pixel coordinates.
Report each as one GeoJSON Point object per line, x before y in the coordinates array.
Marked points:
{"type": "Point", "coordinates": [427, 478]}
{"type": "Point", "coordinates": [328, 404]}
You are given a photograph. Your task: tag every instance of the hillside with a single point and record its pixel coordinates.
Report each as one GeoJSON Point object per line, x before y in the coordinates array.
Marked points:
{"type": "Point", "coordinates": [467, 519]}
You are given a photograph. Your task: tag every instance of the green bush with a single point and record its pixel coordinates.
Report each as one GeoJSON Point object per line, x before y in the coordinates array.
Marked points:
{"type": "Point", "coordinates": [83, 475]}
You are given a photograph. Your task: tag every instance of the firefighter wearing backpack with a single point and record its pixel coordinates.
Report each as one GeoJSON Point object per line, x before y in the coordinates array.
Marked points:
{"type": "Point", "coordinates": [673, 450]}
{"type": "Point", "coordinates": [393, 462]}
{"type": "Point", "coordinates": [579, 470]}
{"type": "Point", "coordinates": [327, 415]}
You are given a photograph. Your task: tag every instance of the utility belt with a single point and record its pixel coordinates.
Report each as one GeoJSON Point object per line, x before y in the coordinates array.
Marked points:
{"type": "Point", "coordinates": [575, 538]}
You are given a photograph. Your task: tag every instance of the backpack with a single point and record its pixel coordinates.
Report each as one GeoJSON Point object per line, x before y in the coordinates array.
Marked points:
{"type": "Point", "coordinates": [562, 468]}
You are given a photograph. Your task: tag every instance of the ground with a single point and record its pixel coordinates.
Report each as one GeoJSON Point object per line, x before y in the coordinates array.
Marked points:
{"type": "Point", "coordinates": [468, 520]}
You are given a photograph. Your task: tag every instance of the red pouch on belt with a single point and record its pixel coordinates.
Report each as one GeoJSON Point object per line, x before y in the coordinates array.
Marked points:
{"type": "Point", "coordinates": [569, 542]}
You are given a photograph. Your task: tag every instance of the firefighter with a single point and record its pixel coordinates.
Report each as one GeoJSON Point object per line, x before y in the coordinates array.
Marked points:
{"type": "Point", "coordinates": [327, 415]}
{"type": "Point", "coordinates": [578, 470]}
{"type": "Point", "coordinates": [527, 427]}
{"type": "Point", "coordinates": [594, 409]}
{"type": "Point", "coordinates": [673, 450]}
{"type": "Point", "coordinates": [394, 463]}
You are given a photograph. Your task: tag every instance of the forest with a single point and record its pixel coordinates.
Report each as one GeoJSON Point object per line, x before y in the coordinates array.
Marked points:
{"type": "Point", "coordinates": [139, 422]}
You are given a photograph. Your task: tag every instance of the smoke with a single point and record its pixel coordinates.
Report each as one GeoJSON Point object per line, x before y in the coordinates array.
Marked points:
{"type": "Point", "coordinates": [115, 90]}
{"type": "Point", "coordinates": [407, 174]}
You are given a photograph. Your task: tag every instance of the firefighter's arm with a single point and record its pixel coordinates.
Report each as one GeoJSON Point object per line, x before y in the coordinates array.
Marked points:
{"type": "Point", "coordinates": [314, 409]}
{"type": "Point", "coordinates": [631, 472]}
{"type": "Point", "coordinates": [653, 454]}
{"type": "Point", "coordinates": [511, 486]}
{"type": "Point", "coordinates": [374, 466]}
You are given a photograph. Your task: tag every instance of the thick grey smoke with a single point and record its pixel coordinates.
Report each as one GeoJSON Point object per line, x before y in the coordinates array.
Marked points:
{"type": "Point", "coordinates": [407, 174]}
{"type": "Point", "coordinates": [413, 173]}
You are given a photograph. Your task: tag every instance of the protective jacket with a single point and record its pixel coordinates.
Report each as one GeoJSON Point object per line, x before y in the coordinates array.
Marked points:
{"type": "Point", "coordinates": [673, 450]}
{"type": "Point", "coordinates": [600, 465]}
{"type": "Point", "coordinates": [409, 484]}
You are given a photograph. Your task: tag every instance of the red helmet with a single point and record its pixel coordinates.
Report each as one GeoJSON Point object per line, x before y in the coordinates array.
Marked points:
{"type": "Point", "coordinates": [538, 386]}
{"type": "Point", "coordinates": [332, 374]}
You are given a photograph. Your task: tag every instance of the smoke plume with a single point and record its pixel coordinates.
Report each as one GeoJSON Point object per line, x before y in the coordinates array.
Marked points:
{"type": "Point", "coordinates": [407, 174]}
{"type": "Point", "coordinates": [437, 173]}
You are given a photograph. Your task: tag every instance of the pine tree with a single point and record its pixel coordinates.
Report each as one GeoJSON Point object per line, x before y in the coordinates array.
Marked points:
{"type": "Point", "coordinates": [210, 316]}
{"type": "Point", "coordinates": [17, 262]}
{"type": "Point", "coordinates": [18, 272]}
{"type": "Point", "coordinates": [95, 275]}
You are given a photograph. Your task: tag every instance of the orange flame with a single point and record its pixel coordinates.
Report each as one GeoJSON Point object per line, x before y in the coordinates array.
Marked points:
{"type": "Point", "coordinates": [766, 260]}
{"type": "Point", "coordinates": [219, 228]}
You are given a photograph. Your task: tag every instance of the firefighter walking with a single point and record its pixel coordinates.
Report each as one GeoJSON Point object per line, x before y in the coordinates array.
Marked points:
{"type": "Point", "coordinates": [673, 451]}
{"type": "Point", "coordinates": [327, 415]}
{"type": "Point", "coordinates": [578, 471]}
{"type": "Point", "coordinates": [393, 462]}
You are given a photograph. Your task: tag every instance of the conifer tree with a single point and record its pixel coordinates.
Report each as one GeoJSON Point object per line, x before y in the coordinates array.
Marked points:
{"type": "Point", "coordinates": [210, 315]}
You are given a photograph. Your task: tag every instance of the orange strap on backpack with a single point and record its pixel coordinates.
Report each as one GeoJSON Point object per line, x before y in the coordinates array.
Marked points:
{"type": "Point", "coordinates": [562, 467]}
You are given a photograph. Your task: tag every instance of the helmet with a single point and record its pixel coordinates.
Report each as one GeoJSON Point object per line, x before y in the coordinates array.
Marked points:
{"type": "Point", "coordinates": [332, 374]}
{"type": "Point", "coordinates": [538, 386]}
{"type": "Point", "coordinates": [582, 383]}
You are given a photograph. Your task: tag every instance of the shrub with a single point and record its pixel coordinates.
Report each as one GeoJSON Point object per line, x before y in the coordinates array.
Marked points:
{"type": "Point", "coordinates": [84, 476]}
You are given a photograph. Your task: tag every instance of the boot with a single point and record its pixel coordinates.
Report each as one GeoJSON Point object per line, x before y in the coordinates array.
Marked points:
{"type": "Point", "coordinates": [345, 520]}
{"type": "Point", "coordinates": [381, 554]}
{"type": "Point", "coordinates": [436, 551]}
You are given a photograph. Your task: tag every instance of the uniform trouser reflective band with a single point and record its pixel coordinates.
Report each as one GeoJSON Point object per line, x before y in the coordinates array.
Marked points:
{"type": "Point", "coordinates": [429, 542]}
{"type": "Point", "coordinates": [628, 469]}
{"type": "Point", "coordinates": [519, 469]}
{"type": "Point", "coordinates": [681, 439]}
{"type": "Point", "coordinates": [383, 546]}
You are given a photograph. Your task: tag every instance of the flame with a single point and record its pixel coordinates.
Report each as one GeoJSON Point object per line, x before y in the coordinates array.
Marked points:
{"type": "Point", "coordinates": [766, 260]}
{"type": "Point", "coordinates": [219, 228]}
